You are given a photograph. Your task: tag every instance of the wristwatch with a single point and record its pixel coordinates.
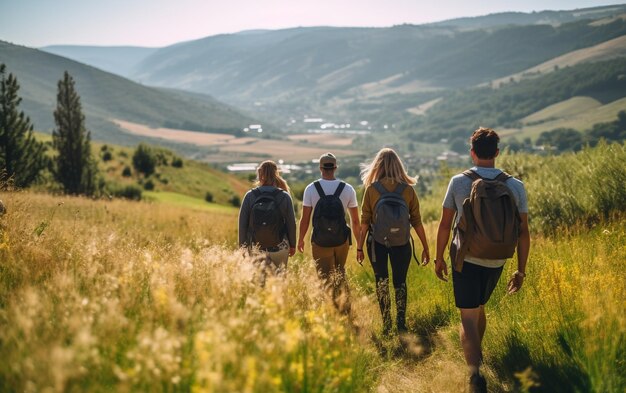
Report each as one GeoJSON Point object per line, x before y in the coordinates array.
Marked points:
{"type": "Point", "coordinates": [518, 273]}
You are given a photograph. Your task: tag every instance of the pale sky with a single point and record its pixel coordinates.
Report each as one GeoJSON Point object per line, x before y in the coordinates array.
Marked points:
{"type": "Point", "coordinates": [159, 23]}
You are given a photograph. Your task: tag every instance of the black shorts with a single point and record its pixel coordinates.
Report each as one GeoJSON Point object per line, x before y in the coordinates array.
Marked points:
{"type": "Point", "coordinates": [474, 285]}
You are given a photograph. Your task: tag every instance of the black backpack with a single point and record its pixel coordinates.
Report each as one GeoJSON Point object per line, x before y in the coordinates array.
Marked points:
{"type": "Point", "coordinates": [329, 218]}
{"type": "Point", "coordinates": [391, 223]}
{"type": "Point", "coordinates": [267, 225]}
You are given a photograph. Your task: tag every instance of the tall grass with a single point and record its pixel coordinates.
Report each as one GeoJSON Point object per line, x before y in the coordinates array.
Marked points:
{"type": "Point", "coordinates": [572, 188]}
{"type": "Point", "coordinates": [125, 296]}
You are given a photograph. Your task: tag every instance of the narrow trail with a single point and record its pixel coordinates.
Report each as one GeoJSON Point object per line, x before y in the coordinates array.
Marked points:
{"type": "Point", "coordinates": [435, 365]}
{"type": "Point", "coordinates": [431, 361]}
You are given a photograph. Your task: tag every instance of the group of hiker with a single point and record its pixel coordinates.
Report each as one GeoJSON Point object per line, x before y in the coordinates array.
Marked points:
{"type": "Point", "coordinates": [488, 207]}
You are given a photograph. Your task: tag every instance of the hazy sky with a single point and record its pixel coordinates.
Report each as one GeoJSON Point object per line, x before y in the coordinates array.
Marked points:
{"type": "Point", "coordinates": [163, 22]}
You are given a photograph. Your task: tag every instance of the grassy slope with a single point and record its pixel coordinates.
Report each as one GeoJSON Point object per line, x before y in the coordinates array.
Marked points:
{"type": "Point", "coordinates": [608, 50]}
{"type": "Point", "coordinates": [563, 109]}
{"type": "Point", "coordinates": [105, 96]}
{"type": "Point", "coordinates": [568, 117]}
{"type": "Point", "coordinates": [133, 296]}
{"type": "Point", "coordinates": [191, 182]}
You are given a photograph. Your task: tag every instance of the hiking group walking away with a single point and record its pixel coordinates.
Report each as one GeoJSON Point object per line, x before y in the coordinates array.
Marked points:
{"type": "Point", "coordinates": [487, 206]}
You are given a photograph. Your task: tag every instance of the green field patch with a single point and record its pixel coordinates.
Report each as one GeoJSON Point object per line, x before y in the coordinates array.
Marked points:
{"type": "Point", "coordinates": [563, 109]}
{"type": "Point", "coordinates": [182, 200]}
{"type": "Point", "coordinates": [582, 121]}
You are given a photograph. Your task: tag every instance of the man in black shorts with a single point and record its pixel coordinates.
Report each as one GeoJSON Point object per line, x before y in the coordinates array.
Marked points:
{"type": "Point", "coordinates": [475, 282]}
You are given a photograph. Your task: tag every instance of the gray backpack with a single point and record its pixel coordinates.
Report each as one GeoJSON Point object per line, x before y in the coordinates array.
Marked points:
{"type": "Point", "coordinates": [391, 223]}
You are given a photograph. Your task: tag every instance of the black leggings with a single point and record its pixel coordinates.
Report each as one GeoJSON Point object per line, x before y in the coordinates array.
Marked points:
{"type": "Point", "coordinates": [400, 258]}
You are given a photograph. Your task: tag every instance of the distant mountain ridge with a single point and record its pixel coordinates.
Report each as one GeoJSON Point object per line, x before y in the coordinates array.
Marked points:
{"type": "Point", "coordinates": [119, 60]}
{"type": "Point", "coordinates": [408, 75]}
{"type": "Point", "coordinates": [106, 96]}
{"type": "Point", "coordinates": [531, 18]}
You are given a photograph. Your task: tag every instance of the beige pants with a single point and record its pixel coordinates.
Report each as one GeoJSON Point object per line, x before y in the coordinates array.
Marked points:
{"type": "Point", "coordinates": [330, 263]}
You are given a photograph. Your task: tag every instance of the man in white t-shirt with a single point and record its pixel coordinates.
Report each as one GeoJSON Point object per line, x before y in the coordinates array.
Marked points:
{"type": "Point", "coordinates": [330, 260]}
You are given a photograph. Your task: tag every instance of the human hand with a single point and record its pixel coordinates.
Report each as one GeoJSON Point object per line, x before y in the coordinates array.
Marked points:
{"type": "Point", "coordinates": [425, 257]}
{"type": "Point", "coordinates": [441, 269]}
{"type": "Point", "coordinates": [301, 245]}
{"type": "Point", "coordinates": [515, 283]}
{"type": "Point", "coordinates": [360, 256]}
{"type": "Point", "coordinates": [292, 251]}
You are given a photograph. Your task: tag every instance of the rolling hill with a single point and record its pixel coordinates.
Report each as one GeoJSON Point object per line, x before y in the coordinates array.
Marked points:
{"type": "Point", "coordinates": [118, 60]}
{"type": "Point", "coordinates": [106, 96]}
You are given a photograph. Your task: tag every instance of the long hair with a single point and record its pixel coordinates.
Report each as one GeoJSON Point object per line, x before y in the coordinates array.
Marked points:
{"type": "Point", "coordinates": [267, 174]}
{"type": "Point", "coordinates": [386, 164]}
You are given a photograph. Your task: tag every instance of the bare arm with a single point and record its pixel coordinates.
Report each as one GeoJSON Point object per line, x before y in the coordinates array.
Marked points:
{"type": "Point", "coordinates": [355, 223]}
{"type": "Point", "coordinates": [443, 236]}
{"type": "Point", "coordinates": [304, 226]}
{"type": "Point", "coordinates": [523, 249]}
{"type": "Point", "coordinates": [421, 234]}
{"type": "Point", "coordinates": [360, 255]}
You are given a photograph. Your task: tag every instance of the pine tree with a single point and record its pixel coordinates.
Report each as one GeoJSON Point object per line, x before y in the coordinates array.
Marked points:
{"type": "Point", "coordinates": [75, 168]}
{"type": "Point", "coordinates": [21, 156]}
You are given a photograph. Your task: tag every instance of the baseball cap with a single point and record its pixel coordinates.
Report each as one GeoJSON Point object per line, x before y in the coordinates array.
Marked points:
{"type": "Point", "coordinates": [328, 161]}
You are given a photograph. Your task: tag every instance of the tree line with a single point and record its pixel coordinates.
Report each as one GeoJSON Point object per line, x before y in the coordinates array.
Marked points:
{"type": "Point", "coordinates": [23, 157]}
{"type": "Point", "coordinates": [72, 164]}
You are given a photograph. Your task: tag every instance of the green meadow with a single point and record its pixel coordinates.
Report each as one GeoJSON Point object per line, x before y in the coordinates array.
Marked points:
{"type": "Point", "coordinates": [115, 295]}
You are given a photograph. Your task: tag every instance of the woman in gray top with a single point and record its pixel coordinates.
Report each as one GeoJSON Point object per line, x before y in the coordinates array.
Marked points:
{"type": "Point", "coordinates": [266, 218]}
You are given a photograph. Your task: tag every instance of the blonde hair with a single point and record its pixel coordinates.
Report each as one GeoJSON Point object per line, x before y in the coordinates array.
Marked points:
{"type": "Point", "coordinates": [267, 174]}
{"type": "Point", "coordinates": [386, 164]}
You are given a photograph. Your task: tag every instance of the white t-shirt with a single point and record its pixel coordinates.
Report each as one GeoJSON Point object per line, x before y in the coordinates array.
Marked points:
{"type": "Point", "coordinates": [348, 195]}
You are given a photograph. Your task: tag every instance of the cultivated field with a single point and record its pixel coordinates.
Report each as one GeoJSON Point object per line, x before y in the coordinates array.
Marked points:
{"type": "Point", "coordinates": [297, 148]}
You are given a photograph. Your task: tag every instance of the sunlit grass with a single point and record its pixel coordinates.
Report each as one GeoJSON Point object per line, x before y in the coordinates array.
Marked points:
{"type": "Point", "coordinates": [154, 296]}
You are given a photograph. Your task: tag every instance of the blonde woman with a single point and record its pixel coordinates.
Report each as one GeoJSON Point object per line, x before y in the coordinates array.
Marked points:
{"type": "Point", "coordinates": [266, 217]}
{"type": "Point", "coordinates": [390, 208]}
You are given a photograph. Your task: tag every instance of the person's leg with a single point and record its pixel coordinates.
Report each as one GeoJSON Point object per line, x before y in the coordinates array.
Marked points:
{"type": "Point", "coordinates": [381, 273]}
{"type": "Point", "coordinates": [470, 337]}
{"type": "Point", "coordinates": [341, 293]}
{"type": "Point", "coordinates": [324, 261]}
{"type": "Point", "coordinates": [467, 296]}
{"type": "Point", "coordinates": [482, 323]}
{"type": "Point", "coordinates": [400, 259]}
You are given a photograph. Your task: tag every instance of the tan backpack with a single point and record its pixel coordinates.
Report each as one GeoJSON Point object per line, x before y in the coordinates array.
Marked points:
{"type": "Point", "coordinates": [490, 225]}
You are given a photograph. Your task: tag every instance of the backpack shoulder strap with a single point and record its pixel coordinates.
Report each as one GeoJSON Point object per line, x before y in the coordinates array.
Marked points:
{"type": "Point", "coordinates": [400, 188]}
{"type": "Point", "coordinates": [256, 192]}
{"type": "Point", "coordinates": [503, 177]}
{"type": "Point", "coordinates": [339, 189]}
{"type": "Point", "coordinates": [379, 187]}
{"type": "Point", "coordinates": [472, 175]}
{"type": "Point", "coordinates": [319, 188]}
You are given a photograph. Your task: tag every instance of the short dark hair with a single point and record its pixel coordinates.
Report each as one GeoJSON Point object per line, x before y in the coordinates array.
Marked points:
{"type": "Point", "coordinates": [485, 143]}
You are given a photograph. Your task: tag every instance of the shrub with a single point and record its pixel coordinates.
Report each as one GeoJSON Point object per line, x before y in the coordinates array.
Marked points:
{"type": "Point", "coordinates": [235, 201]}
{"type": "Point", "coordinates": [127, 172]}
{"type": "Point", "coordinates": [144, 159]}
{"type": "Point", "coordinates": [208, 197]}
{"type": "Point", "coordinates": [148, 185]}
{"type": "Point", "coordinates": [131, 192]}
{"type": "Point", "coordinates": [107, 156]}
{"type": "Point", "coordinates": [177, 162]}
